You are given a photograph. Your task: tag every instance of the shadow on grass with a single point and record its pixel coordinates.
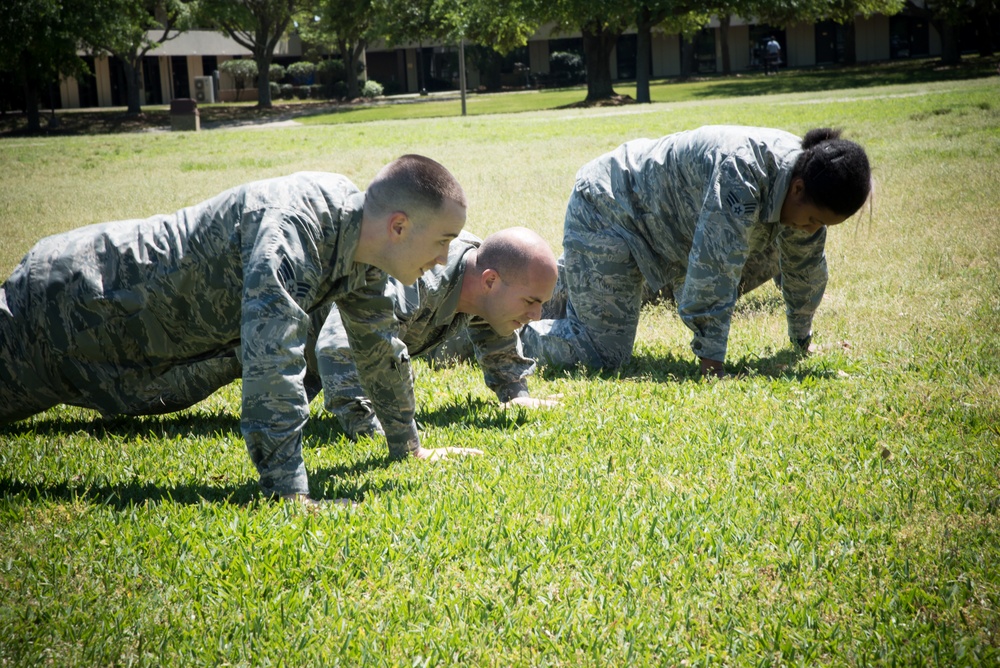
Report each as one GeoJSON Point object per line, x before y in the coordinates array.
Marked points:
{"type": "Point", "coordinates": [172, 425]}
{"type": "Point", "coordinates": [671, 369]}
{"type": "Point", "coordinates": [326, 482]}
{"type": "Point", "coordinates": [834, 77]}
{"type": "Point", "coordinates": [473, 413]}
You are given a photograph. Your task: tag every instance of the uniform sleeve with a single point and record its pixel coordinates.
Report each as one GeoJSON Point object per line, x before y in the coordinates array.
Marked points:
{"type": "Point", "coordinates": [335, 360]}
{"type": "Point", "coordinates": [803, 278]}
{"type": "Point", "coordinates": [383, 364]}
{"type": "Point", "coordinates": [505, 368]}
{"type": "Point", "coordinates": [280, 265]}
{"type": "Point", "coordinates": [718, 252]}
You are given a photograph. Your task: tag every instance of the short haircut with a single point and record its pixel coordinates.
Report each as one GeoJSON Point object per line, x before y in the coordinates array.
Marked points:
{"type": "Point", "coordinates": [835, 171]}
{"type": "Point", "coordinates": [509, 255]}
{"type": "Point", "coordinates": [412, 184]}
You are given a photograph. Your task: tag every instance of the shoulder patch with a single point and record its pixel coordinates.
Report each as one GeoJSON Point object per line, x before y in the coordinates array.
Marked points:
{"type": "Point", "coordinates": [738, 207]}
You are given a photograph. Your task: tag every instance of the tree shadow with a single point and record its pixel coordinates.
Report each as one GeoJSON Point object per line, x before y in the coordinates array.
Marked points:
{"type": "Point", "coordinates": [169, 425]}
{"type": "Point", "coordinates": [122, 496]}
{"type": "Point", "coordinates": [474, 413]}
{"type": "Point", "coordinates": [834, 77]}
{"type": "Point", "coordinates": [319, 432]}
{"type": "Point", "coordinates": [672, 369]}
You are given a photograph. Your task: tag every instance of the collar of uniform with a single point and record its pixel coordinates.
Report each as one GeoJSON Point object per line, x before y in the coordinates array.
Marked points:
{"type": "Point", "coordinates": [350, 236]}
{"type": "Point", "coordinates": [449, 279]}
{"type": "Point", "coordinates": [785, 166]}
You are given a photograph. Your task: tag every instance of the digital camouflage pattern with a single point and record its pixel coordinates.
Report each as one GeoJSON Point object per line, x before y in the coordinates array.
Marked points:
{"type": "Point", "coordinates": [427, 315]}
{"type": "Point", "coordinates": [684, 212]}
{"type": "Point", "coordinates": [149, 316]}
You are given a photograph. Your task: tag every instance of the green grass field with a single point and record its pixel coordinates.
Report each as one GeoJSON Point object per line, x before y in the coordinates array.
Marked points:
{"type": "Point", "coordinates": [842, 509]}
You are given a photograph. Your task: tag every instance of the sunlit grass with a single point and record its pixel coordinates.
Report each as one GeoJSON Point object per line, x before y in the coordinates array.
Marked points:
{"type": "Point", "coordinates": [835, 510]}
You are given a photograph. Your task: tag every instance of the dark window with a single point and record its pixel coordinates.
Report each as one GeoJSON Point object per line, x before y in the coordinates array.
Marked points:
{"type": "Point", "coordinates": [829, 42]}
{"type": "Point", "coordinates": [87, 85]}
{"type": "Point", "coordinates": [908, 37]}
{"type": "Point", "coordinates": [119, 85]}
{"type": "Point", "coordinates": [179, 77]}
{"type": "Point", "coordinates": [151, 80]}
{"type": "Point", "coordinates": [704, 51]}
{"type": "Point", "coordinates": [627, 49]}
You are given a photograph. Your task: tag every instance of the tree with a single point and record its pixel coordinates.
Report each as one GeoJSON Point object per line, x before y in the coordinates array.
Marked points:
{"type": "Point", "coordinates": [601, 23]}
{"type": "Point", "coordinates": [241, 72]}
{"type": "Point", "coordinates": [40, 42]}
{"type": "Point", "coordinates": [676, 16]}
{"type": "Point", "coordinates": [497, 27]}
{"type": "Point", "coordinates": [345, 25]}
{"type": "Point", "coordinates": [129, 29]}
{"type": "Point", "coordinates": [257, 25]}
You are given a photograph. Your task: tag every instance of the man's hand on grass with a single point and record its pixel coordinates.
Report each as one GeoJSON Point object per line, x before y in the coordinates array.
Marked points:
{"type": "Point", "coordinates": [435, 454]}
{"type": "Point", "coordinates": [533, 402]}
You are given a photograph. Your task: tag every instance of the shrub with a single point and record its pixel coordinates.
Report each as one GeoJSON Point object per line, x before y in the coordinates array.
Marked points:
{"type": "Point", "coordinates": [276, 73]}
{"type": "Point", "coordinates": [302, 72]}
{"type": "Point", "coordinates": [301, 92]}
{"type": "Point", "coordinates": [371, 89]}
{"type": "Point", "coordinates": [275, 90]}
{"type": "Point", "coordinates": [330, 71]}
{"type": "Point", "coordinates": [243, 72]}
{"type": "Point", "coordinates": [568, 64]}
{"type": "Point", "coordinates": [287, 91]}
{"type": "Point", "coordinates": [339, 90]}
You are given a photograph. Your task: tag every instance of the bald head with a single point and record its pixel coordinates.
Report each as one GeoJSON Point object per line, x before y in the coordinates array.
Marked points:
{"type": "Point", "coordinates": [518, 255]}
{"type": "Point", "coordinates": [508, 278]}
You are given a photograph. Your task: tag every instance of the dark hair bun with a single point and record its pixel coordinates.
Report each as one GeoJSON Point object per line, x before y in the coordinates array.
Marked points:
{"type": "Point", "coordinates": [835, 171]}
{"type": "Point", "coordinates": [818, 136]}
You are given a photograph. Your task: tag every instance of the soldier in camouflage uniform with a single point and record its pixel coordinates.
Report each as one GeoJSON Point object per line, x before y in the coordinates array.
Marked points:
{"type": "Point", "coordinates": [115, 316]}
{"type": "Point", "coordinates": [487, 290]}
{"type": "Point", "coordinates": [685, 212]}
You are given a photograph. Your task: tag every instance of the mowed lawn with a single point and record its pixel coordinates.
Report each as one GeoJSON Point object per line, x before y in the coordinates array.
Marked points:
{"type": "Point", "coordinates": [842, 509]}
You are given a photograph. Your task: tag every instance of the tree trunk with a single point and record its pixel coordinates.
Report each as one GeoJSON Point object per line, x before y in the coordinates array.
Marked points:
{"type": "Point", "coordinates": [132, 86]}
{"type": "Point", "coordinates": [850, 43]}
{"type": "Point", "coordinates": [950, 53]}
{"type": "Point", "coordinates": [31, 106]}
{"type": "Point", "coordinates": [597, 46]}
{"type": "Point", "coordinates": [724, 21]}
{"type": "Point", "coordinates": [263, 81]}
{"type": "Point", "coordinates": [643, 50]}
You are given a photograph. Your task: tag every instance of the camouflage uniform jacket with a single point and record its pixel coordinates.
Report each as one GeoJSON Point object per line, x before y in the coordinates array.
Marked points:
{"type": "Point", "coordinates": [427, 315]}
{"type": "Point", "coordinates": [693, 205]}
{"type": "Point", "coordinates": [244, 268]}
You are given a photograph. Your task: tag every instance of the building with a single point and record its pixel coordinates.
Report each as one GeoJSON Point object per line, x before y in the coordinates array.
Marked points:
{"type": "Point", "coordinates": [178, 68]}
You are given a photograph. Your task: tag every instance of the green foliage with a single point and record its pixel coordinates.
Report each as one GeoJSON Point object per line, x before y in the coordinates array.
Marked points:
{"type": "Point", "coordinates": [371, 89]}
{"type": "Point", "coordinates": [243, 72]}
{"type": "Point", "coordinates": [257, 25]}
{"type": "Point", "coordinates": [330, 71]}
{"type": "Point", "coordinates": [302, 72]}
{"type": "Point", "coordinates": [276, 73]}
{"type": "Point", "coordinates": [840, 509]}
{"type": "Point", "coordinates": [41, 40]}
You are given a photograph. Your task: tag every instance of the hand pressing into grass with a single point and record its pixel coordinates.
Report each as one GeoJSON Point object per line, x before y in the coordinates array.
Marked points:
{"type": "Point", "coordinates": [435, 454]}
{"type": "Point", "coordinates": [533, 402]}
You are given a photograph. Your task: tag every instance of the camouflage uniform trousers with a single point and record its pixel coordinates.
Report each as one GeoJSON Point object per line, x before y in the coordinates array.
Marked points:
{"type": "Point", "coordinates": [599, 278]}
{"type": "Point", "coordinates": [33, 378]}
{"type": "Point", "coordinates": [343, 395]}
